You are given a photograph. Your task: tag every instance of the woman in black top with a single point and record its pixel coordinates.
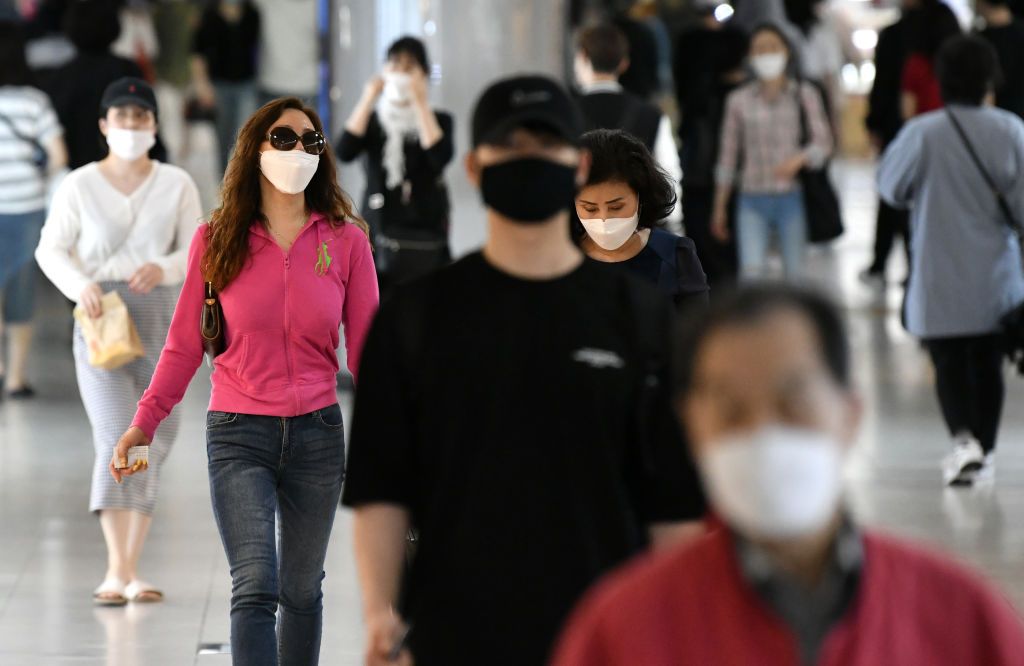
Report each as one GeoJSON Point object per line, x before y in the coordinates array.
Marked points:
{"type": "Point", "coordinates": [407, 146]}
{"type": "Point", "coordinates": [619, 212]}
{"type": "Point", "coordinates": [224, 67]}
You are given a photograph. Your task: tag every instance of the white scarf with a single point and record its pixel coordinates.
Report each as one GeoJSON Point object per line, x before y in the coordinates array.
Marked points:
{"type": "Point", "coordinates": [399, 124]}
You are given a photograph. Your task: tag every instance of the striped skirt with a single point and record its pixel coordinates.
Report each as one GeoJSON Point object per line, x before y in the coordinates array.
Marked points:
{"type": "Point", "coordinates": [110, 398]}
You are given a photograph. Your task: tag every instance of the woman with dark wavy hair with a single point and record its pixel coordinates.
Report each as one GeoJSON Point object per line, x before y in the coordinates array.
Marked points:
{"type": "Point", "coordinates": [619, 213]}
{"type": "Point", "coordinates": [290, 264]}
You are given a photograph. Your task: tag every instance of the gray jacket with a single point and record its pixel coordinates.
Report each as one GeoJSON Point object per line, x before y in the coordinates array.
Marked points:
{"type": "Point", "coordinates": [966, 263]}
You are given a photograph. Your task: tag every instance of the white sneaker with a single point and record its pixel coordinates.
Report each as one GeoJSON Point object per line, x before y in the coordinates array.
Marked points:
{"type": "Point", "coordinates": [961, 466]}
{"type": "Point", "coordinates": [987, 473]}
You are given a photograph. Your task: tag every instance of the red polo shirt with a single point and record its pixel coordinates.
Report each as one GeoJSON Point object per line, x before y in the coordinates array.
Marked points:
{"type": "Point", "coordinates": [692, 606]}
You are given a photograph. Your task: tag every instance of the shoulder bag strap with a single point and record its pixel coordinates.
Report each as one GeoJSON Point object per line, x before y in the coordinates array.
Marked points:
{"type": "Point", "coordinates": [1004, 206]}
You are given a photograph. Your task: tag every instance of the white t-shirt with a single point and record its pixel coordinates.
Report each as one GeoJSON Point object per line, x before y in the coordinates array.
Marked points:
{"type": "Point", "coordinates": [95, 233]}
{"type": "Point", "coordinates": [289, 47]}
{"type": "Point", "coordinates": [22, 184]}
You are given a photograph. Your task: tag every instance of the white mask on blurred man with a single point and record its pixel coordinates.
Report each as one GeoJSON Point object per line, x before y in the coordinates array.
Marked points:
{"type": "Point", "coordinates": [776, 482]}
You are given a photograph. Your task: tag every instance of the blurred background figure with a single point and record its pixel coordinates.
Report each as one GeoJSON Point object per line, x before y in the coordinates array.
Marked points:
{"type": "Point", "coordinates": [774, 128]}
{"type": "Point", "coordinates": [92, 26]}
{"type": "Point", "coordinates": [289, 55]}
{"type": "Point", "coordinates": [174, 22]}
{"type": "Point", "coordinates": [1005, 32]}
{"type": "Point", "coordinates": [709, 64]}
{"type": "Point", "coordinates": [137, 40]}
{"type": "Point", "coordinates": [406, 146]}
{"type": "Point", "coordinates": [821, 53]}
{"type": "Point", "coordinates": [930, 25]}
{"type": "Point", "coordinates": [224, 67]}
{"type": "Point", "coordinates": [31, 151]}
{"type": "Point", "coordinates": [619, 213]}
{"type": "Point", "coordinates": [601, 58]}
{"type": "Point", "coordinates": [642, 75]}
{"type": "Point", "coordinates": [883, 122]}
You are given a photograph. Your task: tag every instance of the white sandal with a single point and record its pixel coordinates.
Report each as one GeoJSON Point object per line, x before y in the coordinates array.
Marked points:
{"type": "Point", "coordinates": [140, 592]}
{"type": "Point", "coordinates": [111, 592]}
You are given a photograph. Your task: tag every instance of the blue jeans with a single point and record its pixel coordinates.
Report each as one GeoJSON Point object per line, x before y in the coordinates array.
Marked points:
{"type": "Point", "coordinates": [760, 217]}
{"type": "Point", "coordinates": [236, 101]}
{"type": "Point", "coordinates": [19, 235]}
{"type": "Point", "coordinates": [268, 472]}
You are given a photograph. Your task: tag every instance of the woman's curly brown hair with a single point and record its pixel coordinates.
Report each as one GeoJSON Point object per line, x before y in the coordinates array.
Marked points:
{"type": "Point", "coordinates": [227, 238]}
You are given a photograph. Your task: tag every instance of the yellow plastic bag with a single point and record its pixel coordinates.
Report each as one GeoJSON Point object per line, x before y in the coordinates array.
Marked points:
{"type": "Point", "coordinates": [111, 338]}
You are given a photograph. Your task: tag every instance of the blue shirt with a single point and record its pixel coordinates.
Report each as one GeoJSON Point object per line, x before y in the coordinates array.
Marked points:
{"type": "Point", "coordinates": [966, 268]}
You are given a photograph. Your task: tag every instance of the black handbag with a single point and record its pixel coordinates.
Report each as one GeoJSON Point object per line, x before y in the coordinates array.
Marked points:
{"type": "Point", "coordinates": [211, 324]}
{"type": "Point", "coordinates": [1011, 324]}
{"type": "Point", "coordinates": [821, 203]}
{"type": "Point", "coordinates": [406, 253]}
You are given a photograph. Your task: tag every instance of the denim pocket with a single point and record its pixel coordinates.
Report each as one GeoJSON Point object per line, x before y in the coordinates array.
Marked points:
{"type": "Point", "coordinates": [330, 417]}
{"type": "Point", "coordinates": [217, 419]}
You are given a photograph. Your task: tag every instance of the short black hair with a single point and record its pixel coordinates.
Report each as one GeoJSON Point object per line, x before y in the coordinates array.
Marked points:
{"type": "Point", "coordinates": [605, 45]}
{"type": "Point", "coordinates": [92, 25]}
{"type": "Point", "coordinates": [14, 69]}
{"type": "Point", "coordinates": [619, 156]}
{"type": "Point", "coordinates": [968, 69]}
{"type": "Point", "coordinates": [412, 47]}
{"type": "Point", "coordinates": [749, 305]}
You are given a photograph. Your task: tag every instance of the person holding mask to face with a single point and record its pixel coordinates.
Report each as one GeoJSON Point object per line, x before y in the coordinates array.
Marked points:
{"type": "Point", "coordinates": [512, 410]}
{"type": "Point", "coordinates": [290, 265]}
{"type": "Point", "coordinates": [761, 137]}
{"type": "Point", "coordinates": [787, 576]}
{"type": "Point", "coordinates": [122, 224]}
{"type": "Point", "coordinates": [407, 146]}
{"type": "Point", "coordinates": [618, 215]}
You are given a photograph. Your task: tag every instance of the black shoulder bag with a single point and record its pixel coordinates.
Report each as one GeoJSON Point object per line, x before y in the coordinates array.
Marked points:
{"type": "Point", "coordinates": [821, 203]}
{"type": "Point", "coordinates": [1012, 323]}
{"type": "Point", "coordinates": [40, 158]}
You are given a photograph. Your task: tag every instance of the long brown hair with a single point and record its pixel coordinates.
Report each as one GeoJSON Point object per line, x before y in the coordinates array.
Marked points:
{"type": "Point", "coordinates": [228, 236]}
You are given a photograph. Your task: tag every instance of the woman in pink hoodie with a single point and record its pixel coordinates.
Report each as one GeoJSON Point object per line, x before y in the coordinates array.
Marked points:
{"type": "Point", "coordinates": [291, 265]}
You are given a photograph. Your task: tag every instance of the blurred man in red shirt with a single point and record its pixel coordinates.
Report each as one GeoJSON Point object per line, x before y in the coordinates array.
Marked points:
{"type": "Point", "coordinates": [764, 388]}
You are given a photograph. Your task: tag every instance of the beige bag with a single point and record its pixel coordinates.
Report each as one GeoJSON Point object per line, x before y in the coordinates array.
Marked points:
{"type": "Point", "coordinates": [111, 337]}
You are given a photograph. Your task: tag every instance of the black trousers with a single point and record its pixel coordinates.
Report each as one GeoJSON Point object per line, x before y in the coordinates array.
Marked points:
{"type": "Point", "coordinates": [969, 379]}
{"type": "Point", "coordinates": [891, 222]}
{"type": "Point", "coordinates": [718, 259]}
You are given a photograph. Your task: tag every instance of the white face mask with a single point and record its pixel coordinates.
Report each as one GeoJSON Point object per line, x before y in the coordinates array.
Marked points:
{"type": "Point", "coordinates": [128, 144]}
{"type": "Point", "coordinates": [396, 87]}
{"type": "Point", "coordinates": [769, 66]}
{"type": "Point", "coordinates": [775, 482]}
{"type": "Point", "coordinates": [612, 233]}
{"type": "Point", "coordinates": [289, 170]}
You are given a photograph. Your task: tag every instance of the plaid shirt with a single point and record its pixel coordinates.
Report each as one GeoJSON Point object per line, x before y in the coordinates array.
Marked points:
{"type": "Point", "coordinates": [759, 134]}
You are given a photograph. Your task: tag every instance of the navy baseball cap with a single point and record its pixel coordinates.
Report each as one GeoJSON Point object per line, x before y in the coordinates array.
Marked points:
{"type": "Point", "coordinates": [525, 101]}
{"type": "Point", "coordinates": [128, 91]}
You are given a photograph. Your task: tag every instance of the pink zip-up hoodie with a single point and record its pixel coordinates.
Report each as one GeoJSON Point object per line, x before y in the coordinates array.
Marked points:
{"type": "Point", "coordinates": [281, 316]}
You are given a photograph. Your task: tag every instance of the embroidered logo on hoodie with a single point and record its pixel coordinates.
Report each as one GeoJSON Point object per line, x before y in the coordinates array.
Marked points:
{"type": "Point", "coordinates": [323, 260]}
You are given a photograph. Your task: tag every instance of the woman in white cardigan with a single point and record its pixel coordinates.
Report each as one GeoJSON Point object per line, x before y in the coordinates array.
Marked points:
{"type": "Point", "coordinates": [122, 224]}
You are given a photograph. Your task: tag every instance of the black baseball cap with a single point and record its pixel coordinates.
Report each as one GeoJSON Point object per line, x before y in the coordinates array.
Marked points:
{"type": "Point", "coordinates": [128, 91]}
{"type": "Point", "coordinates": [525, 100]}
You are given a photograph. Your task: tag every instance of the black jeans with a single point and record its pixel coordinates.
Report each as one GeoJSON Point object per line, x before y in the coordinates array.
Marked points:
{"type": "Point", "coordinates": [891, 222]}
{"type": "Point", "coordinates": [969, 379]}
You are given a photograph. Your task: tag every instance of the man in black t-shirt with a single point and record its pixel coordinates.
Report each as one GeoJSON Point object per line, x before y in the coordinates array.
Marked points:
{"type": "Point", "coordinates": [513, 408]}
{"type": "Point", "coordinates": [1006, 34]}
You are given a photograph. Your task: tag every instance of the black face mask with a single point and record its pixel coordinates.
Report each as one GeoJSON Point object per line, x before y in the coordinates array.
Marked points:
{"type": "Point", "coordinates": [528, 191]}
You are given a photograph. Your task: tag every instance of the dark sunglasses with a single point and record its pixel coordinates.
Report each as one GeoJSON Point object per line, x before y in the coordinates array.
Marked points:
{"type": "Point", "coordinates": [285, 138]}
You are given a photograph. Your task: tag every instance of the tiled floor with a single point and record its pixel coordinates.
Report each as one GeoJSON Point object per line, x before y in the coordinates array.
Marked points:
{"type": "Point", "coordinates": [51, 551]}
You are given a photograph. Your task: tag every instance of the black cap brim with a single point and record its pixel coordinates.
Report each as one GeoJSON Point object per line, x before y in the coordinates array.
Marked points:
{"type": "Point", "coordinates": [128, 100]}
{"type": "Point", "coordinates": [558, 125]}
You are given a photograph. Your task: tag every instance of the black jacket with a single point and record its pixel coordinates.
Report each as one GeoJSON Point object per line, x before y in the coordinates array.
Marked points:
{"type": "Point", "coordinates": [621, 110]}
{"type": "Point", "coordinates": [884, 115]}
{"type": "Point", "coordinates": [427, 206]}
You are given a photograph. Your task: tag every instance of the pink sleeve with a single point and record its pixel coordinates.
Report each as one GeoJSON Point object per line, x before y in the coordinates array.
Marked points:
{"type": "Point", "coordinates": [183, 351]}
{"type": "Point", "coordinates": [361, 296]}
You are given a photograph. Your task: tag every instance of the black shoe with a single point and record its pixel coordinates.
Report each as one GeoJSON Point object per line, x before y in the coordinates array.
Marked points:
{"type": "Point", "coordinates": [26, 392]}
